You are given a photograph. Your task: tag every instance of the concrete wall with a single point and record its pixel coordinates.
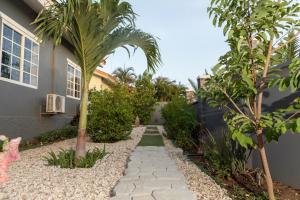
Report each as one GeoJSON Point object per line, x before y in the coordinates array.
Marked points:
{"type": "Point", "coordinates": [284, 156]}
{"type": "Point", "coordinates": [156, 116]}
{"type": "Point", "coordinates": [21, 106]}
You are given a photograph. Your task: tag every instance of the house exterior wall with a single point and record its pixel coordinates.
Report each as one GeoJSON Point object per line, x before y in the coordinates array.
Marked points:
{"type": "Point", "coordinates": [21, 106]}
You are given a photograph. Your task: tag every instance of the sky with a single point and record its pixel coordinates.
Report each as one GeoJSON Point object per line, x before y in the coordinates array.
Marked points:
{"type": "Point", "coordinates": [188, 41]}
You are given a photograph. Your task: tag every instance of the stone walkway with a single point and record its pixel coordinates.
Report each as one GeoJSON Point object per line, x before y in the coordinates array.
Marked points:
{"type": "Point", "coordinates": [152, 175]}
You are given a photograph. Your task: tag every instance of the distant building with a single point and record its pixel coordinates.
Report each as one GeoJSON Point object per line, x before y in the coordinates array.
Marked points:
{"type": "Point", "coordinates": [101, 80]}
{"type": "Point", "coordinates": [201, 80]}
{"type": "Point", "coordinates": [191, 96]}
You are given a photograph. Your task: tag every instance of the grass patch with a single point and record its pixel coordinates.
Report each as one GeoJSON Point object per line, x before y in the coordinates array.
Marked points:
{"type": "Point", "coordinates": [151, 140]}
{"type": "Point", "coordinates": [66, 158]}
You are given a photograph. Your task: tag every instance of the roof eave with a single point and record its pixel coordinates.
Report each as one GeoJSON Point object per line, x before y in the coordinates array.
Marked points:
{"type": "Point", "coordinates": [37, 5]}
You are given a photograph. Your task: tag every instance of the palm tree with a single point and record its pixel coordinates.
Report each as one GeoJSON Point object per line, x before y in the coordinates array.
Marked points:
{"type": "Point", "coordinates": [125, 75]}
{"type": "Point", "coordinates": [194, 86]}
{"type": "Point", "coordinates": [95, 28]}
{"type": "Point", "coordinates": [289, 51]}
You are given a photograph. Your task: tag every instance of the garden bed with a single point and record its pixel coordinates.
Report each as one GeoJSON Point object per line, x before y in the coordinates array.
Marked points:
{"type": "Point", "coordinates": [243, 187]}
{"type": "Point", "coordinates": [198, 182]}
{"type": "Point", "coordinates": [32, 179]}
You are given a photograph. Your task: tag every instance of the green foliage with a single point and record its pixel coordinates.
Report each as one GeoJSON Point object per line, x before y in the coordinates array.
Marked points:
{"type": "Point", "coordinates": [111, 115]}
{"type": "Point", "coordinates": [226, 156]}
{"type": "Point", "coordinates": [255, 31]}
{"type": "Point", "coordinates": [166, 89]}
{"type": "Point", "coordinates": [143, 98]}
{"type": "Point", "coordinates": [49, 137]}
{"type": "Point", "coordinates": [180, 121]}
{"type": "Point", "coordinates": [66, 158]}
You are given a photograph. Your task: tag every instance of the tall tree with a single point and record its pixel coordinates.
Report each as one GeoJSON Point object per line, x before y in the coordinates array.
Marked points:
{"type": "Point", "coordinates": [255, 31]}
{"type": "Point", "coordinates": [194, 86]}
{"type": "Point", "coordinates": [125, 75]}
{"type": "Point", "coordinates": [95, 28]}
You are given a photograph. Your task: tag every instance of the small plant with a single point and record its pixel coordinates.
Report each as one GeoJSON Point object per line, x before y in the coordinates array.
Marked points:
{"type": "Point", "coordinates": [49, 137]}
{"type": "Point", "coordinates": [66, 158]}
{"type": "Point", "coordinates": [3, 143]}
{"type": "Point", "coordinates": [226, 156]}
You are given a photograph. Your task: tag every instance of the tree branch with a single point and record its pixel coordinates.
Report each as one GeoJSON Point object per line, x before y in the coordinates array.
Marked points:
{"type": "Point", "coordinates": [293, 115]}
{"type": "Point", "coordinates": [236, 106]}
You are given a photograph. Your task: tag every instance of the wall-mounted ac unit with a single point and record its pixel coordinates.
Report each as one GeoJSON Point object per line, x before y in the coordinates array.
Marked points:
{"type": "Point", "coordinates": [55, 103]}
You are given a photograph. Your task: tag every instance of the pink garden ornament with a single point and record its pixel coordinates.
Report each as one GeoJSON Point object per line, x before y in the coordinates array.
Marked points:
{"type": "Point", "coordinates": [10, 153]}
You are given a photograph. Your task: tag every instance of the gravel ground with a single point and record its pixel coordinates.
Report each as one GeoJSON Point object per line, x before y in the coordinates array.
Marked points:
{"type": "Point", "coordinates": [197, 181]}
{"type": "Point", "coordinates": [31, 179]}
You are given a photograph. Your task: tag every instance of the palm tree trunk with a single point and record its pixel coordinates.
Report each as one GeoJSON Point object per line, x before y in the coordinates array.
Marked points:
{"type": "Point", "coordinates": [81, 137]}
{"type": "Point", "coordinates": [264, 160]}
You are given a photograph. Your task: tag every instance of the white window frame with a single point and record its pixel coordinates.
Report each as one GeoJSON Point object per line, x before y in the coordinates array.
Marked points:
{"type": "Point", "coordinates": [5, 20]}
{"type": "Point", "coordinates": [76, 67]}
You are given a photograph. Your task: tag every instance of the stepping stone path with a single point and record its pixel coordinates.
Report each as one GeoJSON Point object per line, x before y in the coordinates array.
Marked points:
{"type": "Point", "coordinates": [152, 130]}
{"type": "Point", "coordinates": [152, 175]}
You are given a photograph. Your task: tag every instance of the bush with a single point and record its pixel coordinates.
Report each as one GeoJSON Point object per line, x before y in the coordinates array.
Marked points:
{"type": "Point", "coordinates": [67, 132]}
{"type": "Point", "coordinates": [110, 115]}
{"type": "Point", "coordinates": [49, 137]}
{"type": "Point", "coordinates": [184, 141]}
{"type": "Point", "coordinates": [179, 116]}
{"type": "Point", "coordinates": [66, 158]}
{"type": "Point", "coordinates": [144, 98]}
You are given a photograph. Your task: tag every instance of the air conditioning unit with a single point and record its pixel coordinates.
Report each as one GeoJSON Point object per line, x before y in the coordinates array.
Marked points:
{"type": "Point", "coordinates": [55, 103]}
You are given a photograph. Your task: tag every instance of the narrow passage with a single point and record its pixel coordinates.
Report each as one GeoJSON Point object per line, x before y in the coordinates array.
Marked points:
{"type": "Point", "coordinates": [151, 174]}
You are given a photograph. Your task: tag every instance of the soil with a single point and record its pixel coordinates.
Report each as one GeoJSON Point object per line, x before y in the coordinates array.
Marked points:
{"type": "Point", "coordinates": [248, 183]}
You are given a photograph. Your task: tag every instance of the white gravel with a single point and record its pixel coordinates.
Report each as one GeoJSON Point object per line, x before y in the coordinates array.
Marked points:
{"type": "Point", "coordinates": [197, 181]}
{"type": "Point", "coordinates": [31, 179]}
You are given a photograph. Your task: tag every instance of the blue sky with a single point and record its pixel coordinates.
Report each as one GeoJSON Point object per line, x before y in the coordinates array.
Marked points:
{"type": "Point", "coordinates": [188, 41]}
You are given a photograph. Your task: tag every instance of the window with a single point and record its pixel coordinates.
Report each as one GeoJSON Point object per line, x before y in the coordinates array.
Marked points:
{"type": "Point", "coordinates": [19, 57]}
{"type": "Point", "coordinates": [73, 81]}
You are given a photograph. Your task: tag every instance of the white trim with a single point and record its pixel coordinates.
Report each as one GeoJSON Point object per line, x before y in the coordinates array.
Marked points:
{"type": "Point", "coordinates": [73, 64]}
{"type": "Point", "coordinates": [71, 97]}
{"type": "Point", "coordinates": [7, 20]}
{"type": "Point", "coordinates": [76, 68]}
{"type": "Point", "coordinates": [18, 83]}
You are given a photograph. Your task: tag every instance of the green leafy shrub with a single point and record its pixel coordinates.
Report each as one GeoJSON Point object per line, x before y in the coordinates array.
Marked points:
{"type": "Point", "coordinates": [225, 155]}
{"type": "Point", "coordinates": [110, 115]}
{"type": "Point", "coordinates": [66, 158]}
{"type": "Point", "coordinates": [144, 98]}
{"type": "Point", "coordinates": [179, 116]}
{"type": "Point", "coordinates": [49, 137]}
